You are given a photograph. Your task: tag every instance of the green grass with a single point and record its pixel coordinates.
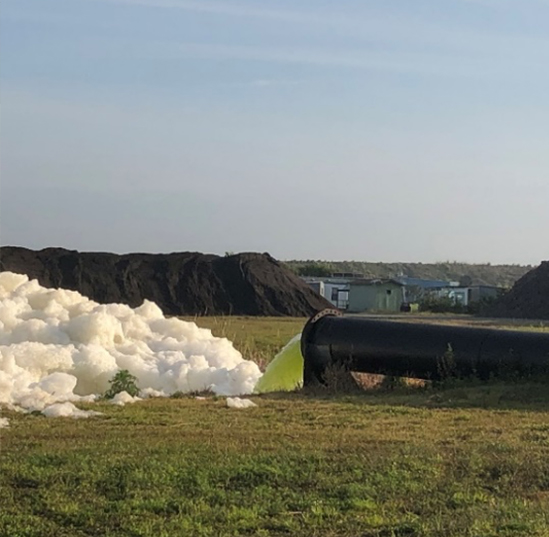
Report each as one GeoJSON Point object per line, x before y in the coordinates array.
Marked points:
{"type": "Point", "coordinates": [257, 338]}
{"type": "Point", "coordinates": [461, 461]}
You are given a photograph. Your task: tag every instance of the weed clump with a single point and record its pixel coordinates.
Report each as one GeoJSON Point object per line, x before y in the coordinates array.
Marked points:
{"type": "Point", "coordinates": [123, 381]}
{"type": "Point", "coordinates": [392, 382]}
{"type": "Point", "coordinates": [337, 379]}
{"type": "Point", "coordinates": [446, 365]}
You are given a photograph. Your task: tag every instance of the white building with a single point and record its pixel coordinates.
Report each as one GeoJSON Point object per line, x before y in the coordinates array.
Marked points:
{"type": "Point", "coordinates": [333, 289]}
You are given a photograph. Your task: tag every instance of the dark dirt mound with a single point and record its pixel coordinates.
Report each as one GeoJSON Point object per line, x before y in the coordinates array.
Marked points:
{"type": "Point", "coordinates": [184, 283]}
{"type": "Point", "coordinates": [529, 297]}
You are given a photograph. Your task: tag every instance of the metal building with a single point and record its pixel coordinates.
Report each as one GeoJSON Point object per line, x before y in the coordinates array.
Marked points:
{"type": "Point", "coordinates": [384, 295]}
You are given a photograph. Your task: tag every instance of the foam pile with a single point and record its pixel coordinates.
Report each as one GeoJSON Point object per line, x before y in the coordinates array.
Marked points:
{"type": "Point", "coordinates": [67, 410]}
{"type": "Point", "coordinates": [57, 346]}
{"type": "Point", "coordinates": [237, 402]}
{"type": "Point", "coordinates": [123, 398]}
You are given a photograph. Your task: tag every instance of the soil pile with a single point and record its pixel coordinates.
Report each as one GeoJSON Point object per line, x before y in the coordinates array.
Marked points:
{"type": "Point", "coordinates": [185, 283]}
{"type": "Point", "coordinates": [529, 297]}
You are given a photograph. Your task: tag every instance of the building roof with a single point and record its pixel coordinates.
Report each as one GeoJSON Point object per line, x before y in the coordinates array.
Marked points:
{"type": "Point", "coordinates": [377, 281]}
{"type": "Point", "coordinates": [423, 283]}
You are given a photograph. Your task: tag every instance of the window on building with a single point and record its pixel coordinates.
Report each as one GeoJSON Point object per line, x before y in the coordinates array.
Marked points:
{"type": "Point", "coordinates": [389, 292]}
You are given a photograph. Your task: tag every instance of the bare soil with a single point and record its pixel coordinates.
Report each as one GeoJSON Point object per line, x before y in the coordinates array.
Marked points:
{"type": "Point", "coordinates": [185, 283]}
{"type": "Point", "coordinates": [529, 297]}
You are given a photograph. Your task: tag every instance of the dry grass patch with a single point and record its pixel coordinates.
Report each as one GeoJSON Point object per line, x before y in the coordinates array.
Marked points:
{"type": "Point", "coordinates": [257, 338]}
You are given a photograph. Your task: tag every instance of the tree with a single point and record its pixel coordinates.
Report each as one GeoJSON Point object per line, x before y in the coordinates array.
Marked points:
{"type": "Point", "coordinates": [319, 270]}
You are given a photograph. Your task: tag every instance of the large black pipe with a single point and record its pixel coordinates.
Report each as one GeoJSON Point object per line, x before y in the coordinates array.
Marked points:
{"type": "Point", "coordinates": [426, 351]}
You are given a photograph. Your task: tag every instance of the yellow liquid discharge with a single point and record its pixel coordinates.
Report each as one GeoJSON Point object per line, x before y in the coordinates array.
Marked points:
{"type": "Point", "coordinates": [285, 372]}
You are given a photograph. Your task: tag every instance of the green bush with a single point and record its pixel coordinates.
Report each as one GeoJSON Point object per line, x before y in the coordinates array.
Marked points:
{"type": "Point", "coordinates": [123, 381]}
{"type": "Point", "coordinates": [441, 305]}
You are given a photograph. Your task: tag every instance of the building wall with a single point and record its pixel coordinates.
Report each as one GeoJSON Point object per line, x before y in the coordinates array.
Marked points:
{"type": "Point", "coordinates": [479, 292]}
{"type": "Point", "coordinates": [318, 287]}
{"type": "Point", "coordinates": [468, 295]}
{"type": "Point", "coordinates": [333, 289]}
{"type": "Point", "coordinates": [460, 295]}
{"type": "Point", "coordinates": [337, 294]}
{"type": "Point", "coordinates": [375, 297]}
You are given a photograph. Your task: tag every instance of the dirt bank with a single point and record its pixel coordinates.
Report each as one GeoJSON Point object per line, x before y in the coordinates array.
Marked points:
{"type": "Point", "coordinates": [528, 298]}
{"type": "Point", "coordinates": [185, 283]}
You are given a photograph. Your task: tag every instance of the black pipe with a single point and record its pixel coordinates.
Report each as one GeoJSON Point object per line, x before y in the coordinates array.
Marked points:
{"type": "Point", "coordinates": [426, 351]}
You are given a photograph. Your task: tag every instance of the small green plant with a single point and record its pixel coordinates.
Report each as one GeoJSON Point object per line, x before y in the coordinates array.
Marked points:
{"type": "Point", "coordinates": [123, 381]}
{"type": "Point", "coordinates": [447, 368]}
{"type": "Point", "coordinates": [338, 380]}
{"type": "Point", "coordinates": [392, 382]}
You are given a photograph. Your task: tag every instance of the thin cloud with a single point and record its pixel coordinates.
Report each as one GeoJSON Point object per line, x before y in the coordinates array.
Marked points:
{"type": "Point", "coordinates": [437, 64]}
{"type": "Point", "coordinates": [503, 4]}
{"type": "Point", "coordinates": [267, 83]}
{"type": "Point", "coordinates": [368, 26]}
{"type": "Point", "coordinates": [217, 8]}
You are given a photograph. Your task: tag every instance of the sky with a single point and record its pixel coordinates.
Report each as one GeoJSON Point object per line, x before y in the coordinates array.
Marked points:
{"type": "Point", "coordinates": [387, 130]}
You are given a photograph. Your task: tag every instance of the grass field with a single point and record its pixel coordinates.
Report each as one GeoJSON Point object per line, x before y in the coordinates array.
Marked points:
{"type": "Point", "coordinates": [463, 460]}
{"type": "Point", "coordinates": [260, 338]}
{"type": "Point", "coordinates": [257, 338]}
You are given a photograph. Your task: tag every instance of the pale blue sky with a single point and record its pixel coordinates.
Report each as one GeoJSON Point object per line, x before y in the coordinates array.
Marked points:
{"type": "Point", "coordinates": [389, 130]}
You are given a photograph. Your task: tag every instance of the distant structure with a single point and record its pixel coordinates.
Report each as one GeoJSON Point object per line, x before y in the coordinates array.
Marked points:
{"type": "Point", "coordinates": [376, 295]}
{"type": "Point", "coordinates": [471, 294]}
{"type": "Point", "coordinates": [334, 288]}
{"type": "Point", "coordinates": [353, 293]}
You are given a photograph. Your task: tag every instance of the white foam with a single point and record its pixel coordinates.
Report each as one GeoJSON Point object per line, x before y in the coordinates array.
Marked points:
{"type": "Point", "coordinates": [122, 398]}
{"type": "Point", "coordinates": [236, 402]}
{"type": "Point", "coordinates": [67, 410]}
{"type": "Point", "coordinates": [4, 423]}
{"type": "Point", "coordinates": [57, 346]}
